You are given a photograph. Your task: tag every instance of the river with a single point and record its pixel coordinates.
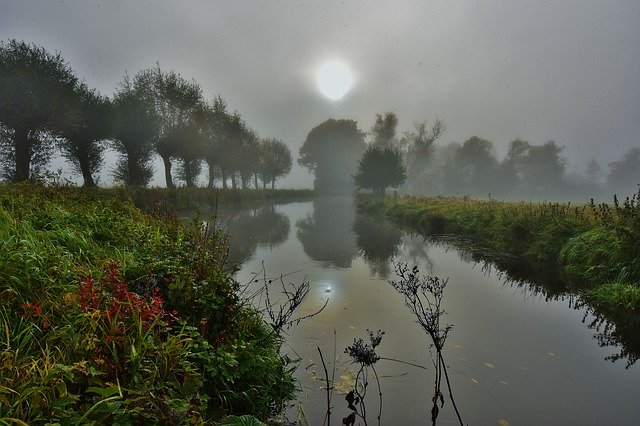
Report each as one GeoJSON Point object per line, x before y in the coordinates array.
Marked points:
{"type": "Point", "coordinates": [516, 355]}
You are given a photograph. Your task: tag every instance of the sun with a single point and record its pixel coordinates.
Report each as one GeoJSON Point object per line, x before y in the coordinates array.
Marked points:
{"type": "Point", "coordinates": [334, 79]}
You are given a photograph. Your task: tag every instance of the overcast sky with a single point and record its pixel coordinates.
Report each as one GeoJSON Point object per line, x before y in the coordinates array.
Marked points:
{"type": "Point", "coordinates": [501, 69]}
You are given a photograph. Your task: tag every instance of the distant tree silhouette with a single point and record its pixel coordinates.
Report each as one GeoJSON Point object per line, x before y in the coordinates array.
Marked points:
{"type": "Point", "coordinates": [624, 174]}
{"type": "Point", "coordinates": [275, 161]}
{"type": "Point", "coordinates": [543, 169]}
{"type": "Point", "coordinates": [384, 130]}
{"type": "Point", "coordinates": [135, 127]}
{"type": "Point", "coordinates": [419, 147]}
{"type": "Point", "coordinates": [472, 169]}
{"type": "Point", "coordinates": [36, 89]}
{"type": "Point", "coordinates": [83, 140]}
{"type": "Point", "coordinates": [176, 102]}
{"type": "Point", "coordinates": [594, 172]}
{"type": "Point", "coordinates": [380, 168]}
{"type": "Point", "coordinates": [331, 151]}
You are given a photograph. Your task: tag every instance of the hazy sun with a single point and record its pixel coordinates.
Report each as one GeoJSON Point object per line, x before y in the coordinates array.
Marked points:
{"type": "Point", "coordinates": [334, 79]}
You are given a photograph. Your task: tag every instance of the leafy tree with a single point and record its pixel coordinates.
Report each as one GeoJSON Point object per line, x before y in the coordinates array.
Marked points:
{"type": "Point", "coordinates": [214, 122]}
{"type": "Point", "coordinates": [379, 169]}
{"type": "Point", "coordinates": [35, 92]}
{"type": "Point", "coordinates": [419, 145]}
{"type": "Point", "coordinates": [176, 102]}
{"type": "Point", "coordinates": [543, 168]}
{"type": "Point", "coordinates": [331, 151]}
{"type": "Point", "coordinates": [135, 127]}
{"type": "Point", "coordinates": [190, 138]}
{"type": "Point", "coordinates": [82, 144]}
{"type": "Point", "coordinates": [624, 174]}
{"type": "Point", "coordinates": [248, 156]}
{"type": "Point", "coordinates": [473, 167]}
{"type": "Point", "coordinates": [384, 130]}
{"type": "Point", "coordinates": [276, 161]}
{"type": "Point", "coordinates": [231, 152]}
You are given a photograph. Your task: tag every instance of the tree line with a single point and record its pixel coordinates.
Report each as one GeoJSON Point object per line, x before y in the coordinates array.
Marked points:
{"type": "Point", "coordinates": [343, 157]}
{"type": "Point", "coordinates": [45, 108]}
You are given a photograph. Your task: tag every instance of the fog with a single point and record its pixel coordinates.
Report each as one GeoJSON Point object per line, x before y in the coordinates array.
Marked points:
{"type": "Point", "coordinates": [565, 71]}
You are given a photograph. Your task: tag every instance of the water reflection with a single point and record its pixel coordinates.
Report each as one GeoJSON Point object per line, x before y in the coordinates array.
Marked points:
{"type": "Point", "coordinates": [619, 331]}
{"type": "Point", "coordinates": [326, 234]}
{"type": "Point", "coordinates": [378, 243]}
{"type": "Point", "coordinates": [250, 229]}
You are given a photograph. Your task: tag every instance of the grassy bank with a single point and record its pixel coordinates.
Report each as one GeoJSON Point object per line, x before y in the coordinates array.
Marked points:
{"type": "Point", "coordinates": [593, 248]}
{"type": "Point", "coordinates": [110, 315]}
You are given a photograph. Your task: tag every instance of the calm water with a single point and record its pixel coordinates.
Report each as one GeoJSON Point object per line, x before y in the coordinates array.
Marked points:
{"type": "Point", "coordinates": [516, 356]}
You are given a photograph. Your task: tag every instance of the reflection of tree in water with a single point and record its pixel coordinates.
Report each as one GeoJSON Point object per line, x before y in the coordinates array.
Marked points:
{"type": "Point", "coordinates": [264, 227]}
{"type": "Point", "coordinates": [325, 236]}
{"type": "Point", "coordinates": [378, 243]}
{"type": "Point", "coordinates": [611, 330]}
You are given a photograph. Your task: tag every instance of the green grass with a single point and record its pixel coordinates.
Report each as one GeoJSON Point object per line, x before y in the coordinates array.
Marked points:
{"type": "Point", "coordinates": [110, 315]}
{"type": "Point", "coordinates": [588, 247]}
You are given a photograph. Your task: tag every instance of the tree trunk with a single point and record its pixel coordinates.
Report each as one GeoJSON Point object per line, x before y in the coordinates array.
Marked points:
{"type": "Point", "coordinates": [83, 159]}
{"type": "Point", "coordinates": [223, 172]}
{"type": "Point", "coordinates": [22, 145]}
{"type": "Point", "coordinates": [211, 167]}
{"type": "Point", "coordinates": [273, 182]}
{"type": "Point", "coordinates": [255, 180]}
{"type": "Point", "coordinates": [234, 185]}
{"type": "Point", "coordinates": [167, 172]}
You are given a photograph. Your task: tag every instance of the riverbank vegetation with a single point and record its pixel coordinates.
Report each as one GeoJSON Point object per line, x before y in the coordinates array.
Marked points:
{"type": "Point", "coordinates": [593, 248]}
{"type": "Point", "coordinates": [111, 315]}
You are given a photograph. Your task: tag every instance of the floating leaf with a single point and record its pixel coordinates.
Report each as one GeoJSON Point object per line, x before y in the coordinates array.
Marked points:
{"type": "Point", "coordinates": [504, 382]}
{"type": "Point", "coordinates": [488, 365]}
{"type": "Point", "coordinates": [551, 354]}
{"type": "Point", "coordinates": [503, 422]}
{"type": "Point", "coordinates": [474, 381]}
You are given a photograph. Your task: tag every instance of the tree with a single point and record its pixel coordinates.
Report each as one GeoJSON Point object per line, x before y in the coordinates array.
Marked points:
{"type": "Point", "coordinates": [419, 146]}
{"type": "Point", "coordinates": [624, 174]}
{"type": "Point", "coordinates": [176, 102]}
{"type": "Point", "coordinates": [379, 169]}
{"type": "Point", "coordinates": [331, 151]}
{"type": "Point", "coordinates": [594, 172]}
{"type": "Point", "coordinates": [384, 130]}
{"type": "Point", "coordinates": [214, 122]}
{"type": "Point", "coordinates": [82, 140]}
{"type": "Point", "coordinates": [35, 92]}
{"type": "Point", "coordinates": [275, 161]}
{"type": "Point", "coordinates": [473, 167]}
{"type": "Point", "coordinates": [134, 131]}
{"type": "Point", "coordinates": [190, 138]}
{"type": "Point", "coordinates": [542, 168]}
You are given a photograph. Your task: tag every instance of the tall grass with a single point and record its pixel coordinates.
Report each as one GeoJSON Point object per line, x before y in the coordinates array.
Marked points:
{"type": "Point", "coordinates": [593, 248]}
{"type": "Point", "coordinates": [109, 315]}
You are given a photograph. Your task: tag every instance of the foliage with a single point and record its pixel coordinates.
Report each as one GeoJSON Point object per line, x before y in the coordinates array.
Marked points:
{"type": "Point", "coordinates": [135, 126]}
{"type": "Point", "coordinates": [35, 93]}
{"type": "Point", "coordinates": [109, 315]}
{"type": "Point", "coordinates": [82, 141]}
{"type": "Point", "coordinates": [384, 130]}
{"type": "Point", "coordinates": [175, 101]}
{"type": "Point", "coordinates": [331, 151]}
{"type": "Point", "coordinates": [275, 160]}
{"type": "Point", "coordinates": [380, 168]}
{"type": "Point", "coordinates": [419, 146]}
